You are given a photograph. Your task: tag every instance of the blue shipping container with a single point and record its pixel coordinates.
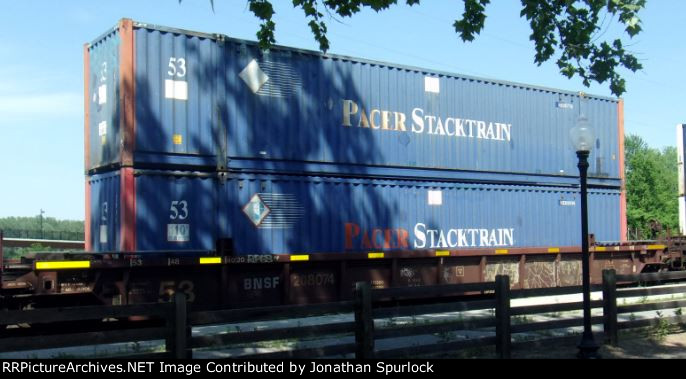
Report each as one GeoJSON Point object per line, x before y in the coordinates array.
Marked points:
{"type": "Point", "coordinates": [265, 214]}
{"type": "Point", "coordinates": [209, 100]}
{"type": "Point", "coordinates": [165, 212]}
{"type": "Point", "coordinates": [148, 104]}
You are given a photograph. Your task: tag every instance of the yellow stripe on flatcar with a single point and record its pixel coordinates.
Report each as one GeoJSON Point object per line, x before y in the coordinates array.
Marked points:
{"type": "Point", "coordinates": [375, 255]}
{"type": "Point", "coordinates": [300, 258]}
{"type": "Point", "coordinates": [62, 265]}
{"type": "Point", "coordinates": [553, 249]}
{"type": "Point", "coordinates": [501, 251]}
{"type": "Point", "coordinates": [210, 260]}
{"type": "Point", "coordinates": [443, 253]}
{"type": "Point", "coordinates": [656, 247]}
{"type": "Point", "coordinates": [600, 248]}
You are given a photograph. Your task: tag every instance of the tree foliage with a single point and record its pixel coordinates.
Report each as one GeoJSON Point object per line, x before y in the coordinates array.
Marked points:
{"type": "Point", "coordinates": [651, 188]}
{"type": "Point", "coordinates": [50, 224]}
{"type": "Point", "coordinates": [571, 30]}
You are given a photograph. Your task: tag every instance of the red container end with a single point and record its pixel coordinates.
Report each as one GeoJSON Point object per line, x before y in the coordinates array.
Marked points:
{"type": "Point", "coordinates": [86, 141]}
{"type": "Point", "coordinates": [622, 201]}
{"type": "Point", "coordinates": [128, 210]}
{"type": "Point", "coordinates": [127, 91]}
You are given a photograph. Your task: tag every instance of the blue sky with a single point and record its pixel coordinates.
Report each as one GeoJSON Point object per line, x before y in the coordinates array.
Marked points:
{"type": "Point", "coordinates": [41, 71]}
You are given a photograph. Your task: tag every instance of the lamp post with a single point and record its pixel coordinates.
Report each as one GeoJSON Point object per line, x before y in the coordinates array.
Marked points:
{"type": "Point", "coordinates": [582, 139]}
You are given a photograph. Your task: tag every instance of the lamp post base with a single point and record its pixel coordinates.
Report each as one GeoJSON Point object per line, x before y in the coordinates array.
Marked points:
{"type": "Point", "coordinates": [588, 348]}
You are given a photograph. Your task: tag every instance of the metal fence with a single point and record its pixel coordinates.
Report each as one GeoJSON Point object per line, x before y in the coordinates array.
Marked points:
{"type": "Point", "coordinates": [44, 234]}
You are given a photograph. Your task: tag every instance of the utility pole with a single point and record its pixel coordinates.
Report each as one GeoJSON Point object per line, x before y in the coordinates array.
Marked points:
{"type": "Point", "coordinates": [41, 223]}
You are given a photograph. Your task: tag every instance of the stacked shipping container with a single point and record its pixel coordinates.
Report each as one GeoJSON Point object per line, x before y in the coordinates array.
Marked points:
{"type": "Point", "coordinates": [194, 137]}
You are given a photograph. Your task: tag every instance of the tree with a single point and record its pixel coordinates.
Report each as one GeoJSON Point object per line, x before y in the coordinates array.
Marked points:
{"type": "Point", "coordinates": [651, 187]}
{"type": "Point", "coordinates": [572, 28]}
{"type": "Point", "coordinates": [29, 227]}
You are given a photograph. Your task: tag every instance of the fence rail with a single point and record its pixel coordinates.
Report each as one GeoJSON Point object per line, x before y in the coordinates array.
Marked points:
{"type": "Point", "coordinates": [612, 309]}
{"type": "Point", "coordinates": [363, 336]}
{"type": "Point", "coordinates": [55, 325]}
{"type": "Point", "coordinates": [44, 235]}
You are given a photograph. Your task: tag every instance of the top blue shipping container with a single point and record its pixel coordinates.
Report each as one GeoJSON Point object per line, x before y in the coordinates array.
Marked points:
{"type": "Point", "coordinates": [162, 97]}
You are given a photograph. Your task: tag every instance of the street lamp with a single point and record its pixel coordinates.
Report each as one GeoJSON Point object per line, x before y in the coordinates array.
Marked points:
{"type": "Point", "coordinates": [582, 139]}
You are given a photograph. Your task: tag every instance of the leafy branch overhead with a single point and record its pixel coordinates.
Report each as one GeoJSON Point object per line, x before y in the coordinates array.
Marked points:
{"type": "Point", "coordinates": [570, 30]}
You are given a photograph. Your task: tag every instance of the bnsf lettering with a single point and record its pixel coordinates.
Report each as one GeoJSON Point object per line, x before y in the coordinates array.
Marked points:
{"type": "Point", "coordinates": [260, 283]}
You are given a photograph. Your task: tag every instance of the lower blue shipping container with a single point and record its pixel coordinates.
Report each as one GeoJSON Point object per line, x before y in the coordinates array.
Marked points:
{"type": "Point", "coordinates": [269, 214]}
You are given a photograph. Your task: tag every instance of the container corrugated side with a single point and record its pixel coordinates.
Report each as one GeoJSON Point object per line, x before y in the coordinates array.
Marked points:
{"type": "Point", "coordinates": [312, 215]}
{"type": "Point", "coordinates": [354, 112]}
{"type": "Point", "coordinates": [265, 214]}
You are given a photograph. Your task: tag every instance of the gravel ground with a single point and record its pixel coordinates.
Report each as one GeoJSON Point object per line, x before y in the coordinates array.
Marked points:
{"type": "Point", "coordinates": [638, 345]}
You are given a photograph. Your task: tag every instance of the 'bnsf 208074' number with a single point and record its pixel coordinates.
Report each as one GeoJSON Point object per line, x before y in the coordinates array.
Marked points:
{"type": "Point", "coordinates": [311, 280]}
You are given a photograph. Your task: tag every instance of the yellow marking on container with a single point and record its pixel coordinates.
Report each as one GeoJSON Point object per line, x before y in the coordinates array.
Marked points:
{"type": "Point", "coordinates": [600, 248]}
{"type": "Point", "coordinates": [375, 255]}
{"type": "Point", "coordinates": [177, 139]}
{"type": "Point", "coordinates": [103, 140]}
{"type": "Point", "coordinates": [442, 253]}
{"type": "Point", "coordinates": [501, 251]}
{"type": "Point", "coordinates": [210, 260]}
{"type": "Point", "coordinates": [300, 258]}
{"type": "Point", "coordinates": [553, 249]}
{"type": "Point", "coordinates": [656, 247]}
{"type": "Point", "coordinates": [62, 265]}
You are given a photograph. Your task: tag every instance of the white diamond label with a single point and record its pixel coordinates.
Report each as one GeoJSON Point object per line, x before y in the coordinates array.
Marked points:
{"type": "Point", "coordinates": [253, 76]}
{"type": "Point", "coordinates": [256, 210]}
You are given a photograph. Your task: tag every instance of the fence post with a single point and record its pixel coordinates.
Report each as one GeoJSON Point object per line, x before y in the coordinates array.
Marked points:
{"type": "Point", "coordinates": [502, 316]}
{"type": "Point", "coordinates": [610, 306]}
{"type": "Point", "coordinates": [180, 346]}
{"type": "Point", "coordinates": [364, 321]}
